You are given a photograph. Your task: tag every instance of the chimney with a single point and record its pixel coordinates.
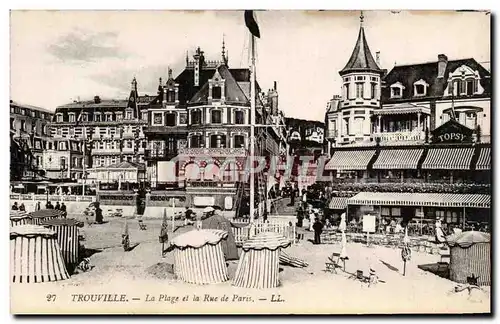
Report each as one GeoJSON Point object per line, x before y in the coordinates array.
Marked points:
{"type": "Point", "coordinates": [97, 99]}
{"type": "Point", "coordinates": [442, 62]}
{"type": "Point", "coordinates": [377, 58]}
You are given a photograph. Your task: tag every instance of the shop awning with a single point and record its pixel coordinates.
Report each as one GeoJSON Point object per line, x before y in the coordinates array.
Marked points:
{"type": "Point", "coordinates": [398, 159]}
{"type": "Point", "coordinates": [350, 160]}
{"type": "Point", "coordinates": [454, 158]}
{"type": "Point", "coordinates": [484, 161]}
{"type": "Point", "coordinates": [338, 203]}
{"type": "Point", "coordinates": [420, 199]}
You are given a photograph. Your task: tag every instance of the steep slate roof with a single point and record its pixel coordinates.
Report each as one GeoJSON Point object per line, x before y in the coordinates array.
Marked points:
{"type": "Point", "coordinates": [361, 57]}
{"type": "Point", "coordinates": [407, 75]}
{"type": "Point", "coordinates": [187, 89]}
{"type": "Point", "coordinates": [232, 91]}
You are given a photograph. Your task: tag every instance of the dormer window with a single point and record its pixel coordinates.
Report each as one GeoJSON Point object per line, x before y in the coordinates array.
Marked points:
{"type": "Point", "coordinates": [71, 117]}
{"type": "Point", "coordinates": [97, 117]}
{"type": "Point", "coordinates": [397, 90]}
{"type": "Point", "coordinates": [128, 115]}
{"type": "Point", "coordinates": [464, 82]}
{"type": "Point", "coordinates": [59, 118]}
{"type": "Point", "coordinates": [171, 95]}
{"type": "Point", "coordinates": [216, 93]}
{"type": "Point", "coordinates": [84, 117]}
{"type": "Point", "coordinates": [420, 88]}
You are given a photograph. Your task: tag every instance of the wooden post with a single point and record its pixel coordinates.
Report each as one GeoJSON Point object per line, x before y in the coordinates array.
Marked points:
{"type": "Point", "coordinates": [404, 269]}
{"type": "Point", "coordinates": [173, 215]}
{"type": "Point", "coordinates": [463, 225]}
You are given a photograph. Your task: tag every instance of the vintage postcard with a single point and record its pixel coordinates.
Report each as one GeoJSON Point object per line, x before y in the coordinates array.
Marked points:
{"type": "Point", "coordinates": [250, 162]}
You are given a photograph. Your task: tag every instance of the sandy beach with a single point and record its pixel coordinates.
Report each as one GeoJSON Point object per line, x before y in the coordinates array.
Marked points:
{"type": "Point", "coordinates": [142, 273]}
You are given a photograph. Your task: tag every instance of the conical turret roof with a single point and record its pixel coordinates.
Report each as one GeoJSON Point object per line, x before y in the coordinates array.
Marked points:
{"type": "Point", "coordinates": [361, 57]}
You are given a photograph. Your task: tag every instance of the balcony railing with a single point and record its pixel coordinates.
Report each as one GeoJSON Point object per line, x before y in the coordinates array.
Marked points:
{"type": "Point", "coordinates": [158, 153]}
{"type": "Point", "coordinates": [212, 151]}
{"type": "Point", "coordinates": [106, 151]}
{"type": "Point", "coordinates": [400, 136]}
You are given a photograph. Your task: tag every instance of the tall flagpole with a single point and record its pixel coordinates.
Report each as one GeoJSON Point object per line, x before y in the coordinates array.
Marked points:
{"type": "Point", "coordinates": [252, 130]}
{"type": "Point", "coordinates": [84, 158]}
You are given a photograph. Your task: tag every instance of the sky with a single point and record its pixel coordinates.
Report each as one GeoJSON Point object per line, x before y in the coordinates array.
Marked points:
{"type": "Point", "coordinates": [60, 56]}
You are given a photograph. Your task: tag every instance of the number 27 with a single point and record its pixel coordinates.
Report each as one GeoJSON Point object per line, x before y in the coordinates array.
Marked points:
{"type": "Point", "coordinates": [51, 297]}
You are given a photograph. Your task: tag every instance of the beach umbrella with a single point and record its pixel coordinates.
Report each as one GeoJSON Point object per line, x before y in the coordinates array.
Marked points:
{"type": "Point", "coordinates": [125, 237]}
{"type": "Point", "coordinates": [219, 222]}
{"type": "Point", "coordinates": [164, 231]}
{"type": "Point", "coordinates": [405, 250]}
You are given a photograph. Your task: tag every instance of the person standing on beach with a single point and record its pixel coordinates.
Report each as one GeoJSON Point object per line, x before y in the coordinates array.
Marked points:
{"type": "Point", "coordinates": [37, 206]}
{"type": "Point", "coordinates": [318, 228]}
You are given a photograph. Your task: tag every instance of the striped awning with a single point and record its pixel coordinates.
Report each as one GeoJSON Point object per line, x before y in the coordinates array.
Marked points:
{"type": "Point", "coordinates": [398, 159]}
{"type": "Point", "coordinates": [338, 203]}
{"type": "Point", "coordinates": [484, 161]}
{"type": "Point", "coordinates": [350, 160]}
{"type": "Point", "coordinates": [421, 199]}
{"type": "Point", "coordinates": [451, 158]}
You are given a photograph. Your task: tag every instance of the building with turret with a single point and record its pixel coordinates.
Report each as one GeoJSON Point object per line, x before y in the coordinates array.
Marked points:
{"type": "Point", "coordinates": [400, 141]}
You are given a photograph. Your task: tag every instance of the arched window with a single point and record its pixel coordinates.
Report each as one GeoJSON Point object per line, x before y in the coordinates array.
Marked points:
{"type": "Point", "coordinates": [212, 172]}
{"type": "Point", "coordinates": [192, 171]}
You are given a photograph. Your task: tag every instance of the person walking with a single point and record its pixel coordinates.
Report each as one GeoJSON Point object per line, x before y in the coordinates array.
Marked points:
{"type": "Point", "coordinates": [98, 215]}
{"type": "Point", "coordinates": [312, 216]}
{"type": "Point", "coordinates": [38, 206]}
{"type": "Point", "coordinates": [318, 229]}
{"type": "Point", "coordinates": [63, 209]}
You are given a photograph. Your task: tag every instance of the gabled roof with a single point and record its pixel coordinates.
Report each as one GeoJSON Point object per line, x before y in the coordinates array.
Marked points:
{"type": "Point", "coordinates": [407, 75]}
{"type": "Point", "coordinates": [187, 89]}
{"type": "Point", "coordinates": [232, 91]}
{"type": "Point", "coordinates": [361, 57]}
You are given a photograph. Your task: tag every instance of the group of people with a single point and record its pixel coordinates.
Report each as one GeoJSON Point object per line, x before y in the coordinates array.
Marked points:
{"type": "Point", "coordinates": [19, 208]}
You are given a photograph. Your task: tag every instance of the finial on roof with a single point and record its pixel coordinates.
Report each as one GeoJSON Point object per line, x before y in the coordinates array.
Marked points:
{"type": "Point", "coordinates": [223, 49]}
{"type": "Point", "coordinates": [361, 18]}
{"type": "Point", "coordinates": [187, 58]}
{"type": "Point", "coordinates": [134, 83]}
{"type": "Point", "coordinates": [169, 73]}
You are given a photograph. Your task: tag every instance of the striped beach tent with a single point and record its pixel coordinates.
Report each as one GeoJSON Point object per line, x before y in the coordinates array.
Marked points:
{"type": "Point", "coordinates": [67, 237]}
{"type": "Point", "coordinates": [35, 255]}
{"type": "Point", "coordinates": [258, 266]}
{"type": "Point", "coordinates": [470, 255]}
{"type": "Point", "coordinates": [19, 218]}
{"type": "Point", "coordinates": [198, 257]}
{"type": "Point", "coordinates": [45, 214]}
